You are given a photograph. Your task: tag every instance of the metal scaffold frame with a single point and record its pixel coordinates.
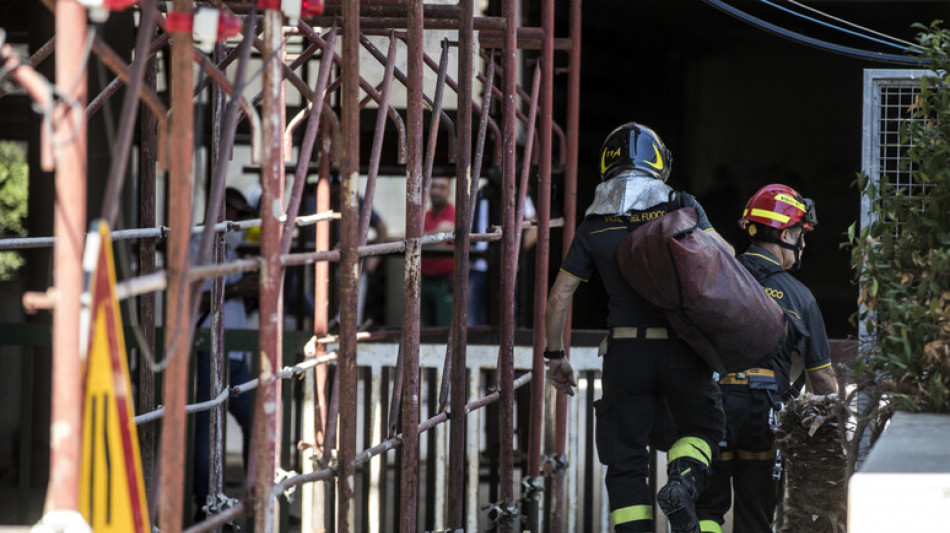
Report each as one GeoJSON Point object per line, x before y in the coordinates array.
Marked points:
{"type": "Point", "coordinates": [330, 118]}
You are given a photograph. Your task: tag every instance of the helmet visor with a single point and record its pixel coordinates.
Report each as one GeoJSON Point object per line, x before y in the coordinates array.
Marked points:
{"type": "Point", "coordinates": [810, 220]}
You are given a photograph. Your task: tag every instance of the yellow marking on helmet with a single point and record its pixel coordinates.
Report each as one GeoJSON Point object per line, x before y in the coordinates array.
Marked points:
{"type": "Point", "coordinates": [603, 158]}
{"type": "Point", "coordinates": [771, 214]}
{"type": "Point", "coordinates": [659, 159]}
{"type": "Point", "coordinates": [789, 200]}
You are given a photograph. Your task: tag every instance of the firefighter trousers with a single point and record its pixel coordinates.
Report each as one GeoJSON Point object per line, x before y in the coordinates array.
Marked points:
{"type": "Point", "coordinates": [742, 474]}
{"type": "Point", "coordinates": [643, 380]}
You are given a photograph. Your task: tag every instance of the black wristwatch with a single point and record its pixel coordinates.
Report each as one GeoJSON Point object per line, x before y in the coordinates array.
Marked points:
{"type": "Point", "coordinates": [554, 354]}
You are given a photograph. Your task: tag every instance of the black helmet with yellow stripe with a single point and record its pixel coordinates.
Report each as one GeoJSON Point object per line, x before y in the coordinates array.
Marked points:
{"type": "Point", "coordinates": [635, 146]}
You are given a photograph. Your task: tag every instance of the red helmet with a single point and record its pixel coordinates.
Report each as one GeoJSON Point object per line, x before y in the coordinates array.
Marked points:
{"type": "Point", "coordinates": [779, 206]}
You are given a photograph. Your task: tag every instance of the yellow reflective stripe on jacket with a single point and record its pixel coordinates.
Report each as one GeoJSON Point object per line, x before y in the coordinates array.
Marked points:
{"type": "Point", "coordinates": [709, 526]}
{"type": "Point", "coordinates": [693, 448]}
{"type": "Point", "coordinates": [819, 367]}
{"type": "Point", "coordinates": [573, 276]}
{"type": "Point", "coordinates": [612, 228]}
{"type": "Point", "coordinates": [767, 258]}
{"type": "Point", "coordinates": [632, 514]}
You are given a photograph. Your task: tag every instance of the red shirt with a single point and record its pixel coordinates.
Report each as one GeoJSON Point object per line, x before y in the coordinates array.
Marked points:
{"type": "Point", "coordinates": [438, 266]}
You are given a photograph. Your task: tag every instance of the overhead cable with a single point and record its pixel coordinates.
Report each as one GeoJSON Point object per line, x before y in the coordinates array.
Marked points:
{"type": "Point", "coordinates": [811, 41]}
{"type": "Point", "coordinates": [838, 28]}
{"type": "Point", "coordinates": [853, 25]}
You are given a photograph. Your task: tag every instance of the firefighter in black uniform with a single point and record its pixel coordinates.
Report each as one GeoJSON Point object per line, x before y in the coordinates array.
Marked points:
{"type": "Point", "coordinates": [646, 367]}
{"type": "Point", "coordinates": [776, 219]}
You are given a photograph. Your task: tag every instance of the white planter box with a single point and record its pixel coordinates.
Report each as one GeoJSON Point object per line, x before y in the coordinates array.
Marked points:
{"type": "Point", "coordinates": [904, 485]}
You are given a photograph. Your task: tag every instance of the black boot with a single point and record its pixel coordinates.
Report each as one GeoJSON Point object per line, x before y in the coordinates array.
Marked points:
{"type": "Point", "coordinates": [678, 497]}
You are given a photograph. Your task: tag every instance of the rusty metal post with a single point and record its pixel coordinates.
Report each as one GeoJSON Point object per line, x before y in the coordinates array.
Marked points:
{"type": "Point", "coordinates": [526, 156]}
{"type": "Point", "coordinates": [559, 509]}
{"type": "Point", "coordinates": [267, 409]}
{"type": "Point", "coordinates": [218, 360]}
{"type": "Point", "coordinates": [225, 144]}
{"type": "Point", "coordinates": [445, 121]}
{"type": "Point", "coordinates": [321, 279]}
{"type": "Point", "coordinates": [100, 99]}
{"type": "Point", "coordinates": [349, 266]}
{"type": "Point", "coordinates": [415, 206]}
{"type": "Point", "coordinates": [434, 119]}
{"type": "Point", "coordinates": [509, 268]}
{"type": "Point", "coordinates": [118, 168]}
{"type": "Point", "coordinates": [378, 134]}
{"type": "Point", "coordinates": [321, 283]}
{"type": "Point", "coordinates": [177, 320]}
{"type": "Point", "coordinates": [306, 148]}
{"type": "Point", "coordinates": [463, 226]}
{"type": "Point", "coordinates": [542, 252]}
{"type": "Point", "coordinates": [148, 145]}
{"type": "Point", "coordinates": [479, 156]}
{"type": "Point", "coordinates": [69, 227]}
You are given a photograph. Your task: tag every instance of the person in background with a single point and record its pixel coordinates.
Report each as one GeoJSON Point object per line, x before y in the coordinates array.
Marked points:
{"type": "Point", "coordinates": [645, 365]}
{"type": "Point", "coordinates": [478, 301]}
{"type": "Point", "coordinates": [437, 270]}
{"type": "Point", "coordinates": [775, 220]}
{"type": "Point", "coordinates": [236, 288]}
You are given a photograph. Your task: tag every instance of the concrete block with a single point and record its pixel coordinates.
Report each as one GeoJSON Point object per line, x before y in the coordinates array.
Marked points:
{"type": "Point", "coordinates": [904, 485]}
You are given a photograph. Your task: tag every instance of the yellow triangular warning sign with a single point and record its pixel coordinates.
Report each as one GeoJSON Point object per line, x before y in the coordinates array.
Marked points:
{"type": "Point", "coordinates": [112, 493]}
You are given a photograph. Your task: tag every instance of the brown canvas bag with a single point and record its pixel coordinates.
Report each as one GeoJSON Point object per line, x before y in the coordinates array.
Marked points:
{"type": "Point", "coordinates": [712, 302]}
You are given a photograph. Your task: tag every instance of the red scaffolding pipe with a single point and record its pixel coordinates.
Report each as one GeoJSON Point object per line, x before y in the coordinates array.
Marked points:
{"type": "Point", "coordinates": [542, 250]}
{"type": "Point", "coordinates": [267, 411]}
{"type": "Point", "coordinates": [464, 186]}
{"type": "Point", "coordinates": [559, 512]}
{"type": "Point", "coordinates": [509, 269]}
{"type": "Point", "coordinates": [178, 304]}
{"type": "Point", "coordinates": [415, 204]}
{"type": "Point", "coordinates": [349, 266]}
{"type": "Point", "coordinates": [69, 225]}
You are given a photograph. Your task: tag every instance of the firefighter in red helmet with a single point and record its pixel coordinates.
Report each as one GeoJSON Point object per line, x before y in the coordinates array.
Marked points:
{"type": "Point", "coordinates": [647, 369]}
{"type": "Point", "coordinates": [776, 220]}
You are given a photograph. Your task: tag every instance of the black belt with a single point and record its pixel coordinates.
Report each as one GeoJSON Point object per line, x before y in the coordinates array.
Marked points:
{"type": "Point", "coordinates": [634, 332]}
{"type": "Point", "coordinates": [742, 378]}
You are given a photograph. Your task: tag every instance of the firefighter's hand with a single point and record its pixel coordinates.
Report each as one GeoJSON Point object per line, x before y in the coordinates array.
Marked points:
{"type": "Point", "coordinates": [562, 375]}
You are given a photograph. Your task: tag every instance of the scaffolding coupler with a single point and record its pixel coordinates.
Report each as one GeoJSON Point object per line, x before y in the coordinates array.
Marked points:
{"type": "Point", "coordinates": [505, 514]}
{"type": "Point", "coordinates": [532, 488]}
{"type": "Point", "coordinates": [555, 464]}
{"type": "Point", "coordinates": [281, 475]}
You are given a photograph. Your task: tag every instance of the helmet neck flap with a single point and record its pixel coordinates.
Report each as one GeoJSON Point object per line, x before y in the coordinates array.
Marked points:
{"type": "Point", "coordinates": [630, 190]}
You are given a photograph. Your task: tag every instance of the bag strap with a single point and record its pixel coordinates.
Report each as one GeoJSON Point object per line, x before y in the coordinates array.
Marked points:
{"type": "Point", "coordinates": [678, 199]}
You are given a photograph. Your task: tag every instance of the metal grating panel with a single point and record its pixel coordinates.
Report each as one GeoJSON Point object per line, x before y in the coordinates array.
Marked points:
{"type": "Point", "coordinates": [889, 98]}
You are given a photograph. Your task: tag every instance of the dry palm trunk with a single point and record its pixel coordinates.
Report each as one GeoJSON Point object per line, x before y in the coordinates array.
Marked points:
{"type": "Point", "coordinates": [816, 490]}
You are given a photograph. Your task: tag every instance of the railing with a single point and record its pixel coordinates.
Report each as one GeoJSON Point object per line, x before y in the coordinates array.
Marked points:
{"type": "Point", "coordinates": [376, 495]}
